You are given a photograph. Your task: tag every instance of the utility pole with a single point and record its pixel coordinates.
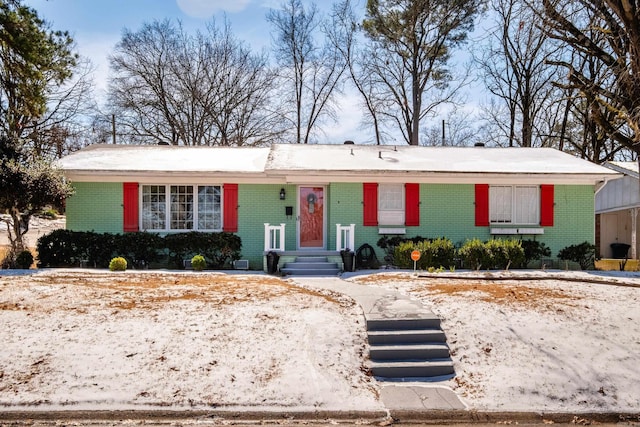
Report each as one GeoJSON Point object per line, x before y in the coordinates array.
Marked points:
{"type": "Point", "coordinates": [113, 127]}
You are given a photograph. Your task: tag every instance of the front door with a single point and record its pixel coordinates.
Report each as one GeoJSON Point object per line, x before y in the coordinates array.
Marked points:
{"type": "Point", "coordinates": [311, 208]}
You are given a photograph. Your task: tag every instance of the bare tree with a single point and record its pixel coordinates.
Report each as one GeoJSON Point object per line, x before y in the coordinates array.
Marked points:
{"type": "Point", "coordinates": [209, 89]}
{"type": "Point", "coordinates": [608, 32]}
{"type": "Point", "coordinates": [64, 126]}
{"type": "Point", "coordinates": [311, 67]}
{"type": "Point", "coordinates": [516, 71]}
{"type": "Point", "coordinates": [456, 130]}
{"type": "Point", "coordinates": [357, 57]}
{"type": "Point", "coordinates": [413, 42]}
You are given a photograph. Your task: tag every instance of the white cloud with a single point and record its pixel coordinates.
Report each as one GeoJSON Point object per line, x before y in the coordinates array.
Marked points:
{"type": "Point", "coordinates": [206, 8]}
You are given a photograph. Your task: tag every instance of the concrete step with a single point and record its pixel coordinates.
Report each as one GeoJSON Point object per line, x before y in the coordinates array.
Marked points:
{"type": "Point", "coordinates": [294, 271]}
{"type": "Point", "coordinates": [318, 259]}
{"type": "Point", "coordinates": [409, 352]}
{"type": "Point", "coordinates": [412, 370]}
{"type": "Point", "coordinates": [407, 336]}
{"type": "Point", "coordinates": [310, 265]}
{"type": "Point", "coordinates": [395, 324]}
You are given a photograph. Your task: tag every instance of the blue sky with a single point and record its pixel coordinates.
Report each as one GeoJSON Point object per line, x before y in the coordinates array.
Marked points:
{"type": "Point", "coordinates": [96, 25]}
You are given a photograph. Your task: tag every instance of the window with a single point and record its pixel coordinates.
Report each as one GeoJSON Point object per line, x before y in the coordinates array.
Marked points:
{"type": "Point", "coordinates": [391, 204]}
{"type": "Point", "coordinates": [154, 207]}
{"type": "Point", "coordinates": [514, 204]}
{"type": "Point", "coordinates": [209, 208]}
{"type": "Point", "coordinates": [182, 210]}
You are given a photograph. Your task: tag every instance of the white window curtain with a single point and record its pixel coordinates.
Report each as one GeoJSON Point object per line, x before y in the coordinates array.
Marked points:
{"type": "Point", "coordinates": [514, 204]}
{"type": "Point", "coordinates": [391, 204]}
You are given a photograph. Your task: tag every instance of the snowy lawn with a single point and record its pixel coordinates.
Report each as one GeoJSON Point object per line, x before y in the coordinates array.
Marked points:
{"type": "Point", "coordinates": [100, 340]}
{"type": "Point", "coordinates": [536, 344]}
{"type": "Point", "coordinates": [78, 339]}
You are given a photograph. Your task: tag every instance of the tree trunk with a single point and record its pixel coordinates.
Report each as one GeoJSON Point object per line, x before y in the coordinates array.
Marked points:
{"type": "Point", "coordinates": [17, 237]}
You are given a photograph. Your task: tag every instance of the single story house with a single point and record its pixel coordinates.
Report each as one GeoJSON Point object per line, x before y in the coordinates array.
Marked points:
{"type": "Point", "coordinates": [617, 205]}
{"type": "Point", "coordinates": [294, 198]}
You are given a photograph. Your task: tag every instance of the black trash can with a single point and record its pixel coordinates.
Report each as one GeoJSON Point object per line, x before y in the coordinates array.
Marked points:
{"type": "Point", "coordinates": [272, 262]}
{"type": "Point", "coordinates": [620, 250]}
{"type": "Point", "coordinates": [347, 260]}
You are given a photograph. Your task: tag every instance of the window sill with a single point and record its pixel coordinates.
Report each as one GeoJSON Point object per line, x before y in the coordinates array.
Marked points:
{"type": "Point", "coordinates": [392, 230]}
{"type": "Point", "coordinates": [519, 230]}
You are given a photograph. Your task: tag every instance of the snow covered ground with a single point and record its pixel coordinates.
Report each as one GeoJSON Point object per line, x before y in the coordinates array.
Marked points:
{"type": "Point", "coordinates": [95, 340]}
{"type": "Point", "coordinates": [81, 339]}
{"type": "Point", "coordinates": [537, 344]}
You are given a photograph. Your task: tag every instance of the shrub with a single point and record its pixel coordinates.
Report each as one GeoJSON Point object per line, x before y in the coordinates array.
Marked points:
{"type": "Point", "coordinates": [504, 254]}
{"type": "Point", "coordinates": [140, 249]}
{"type": "Point", "coordinates": [24, 260]}
{"type": "Point", "coordinates": [441, 253]}
{"type": "Point", "coordinates": [198, 263]}
{"type": "Point", "coordinates": [218, 249]}
{"type": "Point", "coordinates": [64, 248]}
{"type": "Point", "coordinates": [474, 254]}
{"type": "Point", "coordinates": [49, 213]}
{"type": "Point", "coordinates": [495, 253]}
{"type": "Point", "coordinates": [390, 244]}
{"type": "Point", "coordinates": [583, 253]}
{"type": "Point", "coordinates": [118, 264]}
{"type": "Point", "coordinates": [434, 253]}
{"type": "Point", "coordinates": [534, 250]}
{"type": "Point", "coordinates": [59, 249]}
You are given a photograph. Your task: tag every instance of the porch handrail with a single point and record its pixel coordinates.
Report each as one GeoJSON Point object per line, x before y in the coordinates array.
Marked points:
{"type": "Point", "coordinates": [345, 237]}
{"type": "Point", "coordinates": [273, 237]}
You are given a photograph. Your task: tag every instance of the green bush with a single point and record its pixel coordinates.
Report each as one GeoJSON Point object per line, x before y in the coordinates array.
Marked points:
{"type": "Point", "coordinates": [218, 249]}
{"type": "Point", "coordinates": [60, 248]}
{"type": "Point", "coordinates": [198, 263]}
{"type": "Point", "coordinates": [495, 253]}
{"type": "Point", "coordinates": [140, 249]}
{"type": "Point", "coordinates": [583, 253]}
{"type": "Point", "coordinates": [49, 213]}
{"type": "Point", "coordinates": [434, 253]}
{"type": "Point", "coordinates": [24, 260]}
{"type": "Point", "coordinates": [503, 254]}
{"type": "Point", "coordinates": [533, 251]}
{"type": "Point", "coordinates": [441, 253]}
{"type": "Point", "coordinates": [474, 254]}
{"type": "Point", "coordinates": [118, 264]}
{"type": "Point", "coordinates": [389, 244]}
{"type": "Point", "coordinates": [64, 248]}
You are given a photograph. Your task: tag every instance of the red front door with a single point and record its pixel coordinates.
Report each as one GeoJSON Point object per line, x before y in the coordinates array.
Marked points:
{"type": "Point", "coordinates": [311, 208]}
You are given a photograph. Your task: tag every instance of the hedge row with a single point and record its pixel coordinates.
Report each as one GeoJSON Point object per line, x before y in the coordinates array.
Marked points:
{"type": "Point", "coordinates": [476, 254]}
{"type": "Point", "coordinates": [64, 248]}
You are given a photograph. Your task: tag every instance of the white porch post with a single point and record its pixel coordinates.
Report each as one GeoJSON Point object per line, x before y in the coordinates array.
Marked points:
{"type": "Point", "coordinates": [634, 232]}
{"type": "Point", "coordinates": [345, 237]}
{"type": "Point", "coordinates": [274, 237]}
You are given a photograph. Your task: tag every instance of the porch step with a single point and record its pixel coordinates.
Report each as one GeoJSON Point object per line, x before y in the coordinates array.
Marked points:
{"type": "Point", "coordinates": [415, 352]}
{"type": "Point", "coordinates": [424, 370]}
{"type": "Point", "coordinates": [310, 266]}
{"type": "Point", "coordinates": [409, 349]}
{"type": "Point", "coordinates": [405, 324]}
{"type": "Point", "coordinates": [406, 336]}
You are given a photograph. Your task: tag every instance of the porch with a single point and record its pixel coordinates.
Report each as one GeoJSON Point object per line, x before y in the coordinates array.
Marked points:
{"type": "Point", "coordinates": [277, 258]}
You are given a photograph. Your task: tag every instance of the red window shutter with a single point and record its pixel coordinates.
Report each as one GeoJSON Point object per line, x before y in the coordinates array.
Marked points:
{"type": "Point", "coordinates": [482, 205]}
{"type": "Point", "coordinates": [370, 203]}
{"type": "Point", "coordinates": [230, 208]}
{"type": "Point", "coordinates": [546, 205]}
{"type": "Point", "coordinates": [130, 206]}
{"type": "Point", "coordinates": [412, 204]}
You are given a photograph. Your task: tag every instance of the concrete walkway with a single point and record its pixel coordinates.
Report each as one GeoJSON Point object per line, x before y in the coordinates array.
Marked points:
{"type": "Point", "coordinates": [380, 303]}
